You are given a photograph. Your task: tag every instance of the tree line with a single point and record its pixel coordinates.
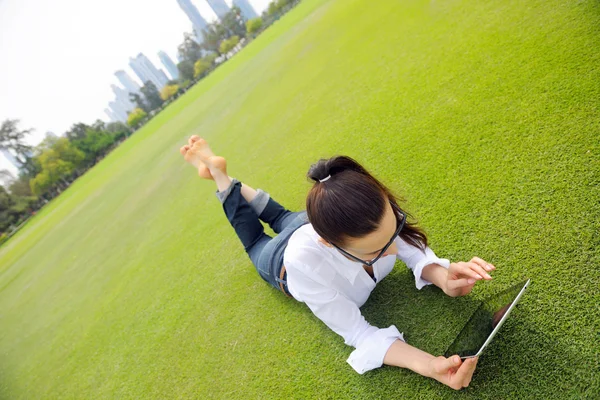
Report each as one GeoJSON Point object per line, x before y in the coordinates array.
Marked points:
{"type": "Point", "coordinates": [50, 167]}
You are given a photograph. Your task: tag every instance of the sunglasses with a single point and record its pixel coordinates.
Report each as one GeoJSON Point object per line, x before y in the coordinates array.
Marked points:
{"type": "Point", "coordinates": [400, 220]}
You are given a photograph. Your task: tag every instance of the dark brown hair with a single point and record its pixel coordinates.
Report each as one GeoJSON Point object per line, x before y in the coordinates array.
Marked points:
{"type": "Point", "coordinates": [351, 203]}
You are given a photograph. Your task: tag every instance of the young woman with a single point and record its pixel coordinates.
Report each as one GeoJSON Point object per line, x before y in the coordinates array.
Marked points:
{"type": "Point", "coordinates": [332, 256]}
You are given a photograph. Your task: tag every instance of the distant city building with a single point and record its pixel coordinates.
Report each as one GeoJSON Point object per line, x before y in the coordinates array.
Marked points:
{"type": "Point", "coordinates": [193, 14]}
{"type": "Point", "coordinates": [163, 77]}
{"type": "Point", "coordinates": [248, 11]}
{"type": "Point", "coordinates": [122, 97]}
{"type": "Point", "coordinates": [129, 84]}
{"type": "Point", "coordinates": [11, 158]}
{"type": "Point", "coordinates": [169, 64]}
{"type": "Point", "coordinates": [219, 7]}
{"type": "Point", "coordinates": [111, 115]}
{"type": "Point", "coordinates": [118, 111]}
{"type": "Point", "coordinates": [146, 71]}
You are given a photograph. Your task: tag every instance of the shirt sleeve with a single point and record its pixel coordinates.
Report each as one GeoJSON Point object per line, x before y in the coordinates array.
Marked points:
{"type": "Point", "coordinates": [343, 317]}
{"type": "Point", "coordinates": [416, 260]}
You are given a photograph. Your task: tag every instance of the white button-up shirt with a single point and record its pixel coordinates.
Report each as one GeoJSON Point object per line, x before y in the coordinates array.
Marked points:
{"type": "Point", "coordinates": [334, 288]}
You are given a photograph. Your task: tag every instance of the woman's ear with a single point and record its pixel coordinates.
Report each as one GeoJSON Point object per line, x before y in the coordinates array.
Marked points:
{"type": "Point", "coordinates": [325, 242]}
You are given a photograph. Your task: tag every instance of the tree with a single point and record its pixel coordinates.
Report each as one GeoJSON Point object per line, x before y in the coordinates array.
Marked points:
{"type": "Point", "coordinates": [57, 162]}
{"type": "Point", "coordinates": [77, 131]}
{"type": "Point", "coordinates": [117, 127]}
{"type": "Point", "coordinates": [30, 168]}
{"type": "Point", "coordinates": [139, 101]}
{"type": "Point", "coordinates": [98, 125]}
{"type": "Point", "coordinates": [212, 36]}
{"type": "Point", "coordinates": [6, 177]}
{"type": "Point", "coordinates": [168, 91]}
{"type": "Point", "coordinates": [118, 130]}
{"type": "Point", "coordinates": [40, 184]}
{"type": "Point", "coordinates": [273, 8]}
{"type": "Point", "coordinates": [20, 187]}
{"type": "Point", "coordinates": [189, 50]}
{"type": "Point", "coordinates": [13, 209]}
{"type": "Point", "coordinates": [94, 144]}
{"type": "Point", "coordinates": [151, 95]}
{"type": "Point", "coordinates": [233, 23]}
{"type": "Point", "coordinates": [228, 45]}
{"type": "Point", "coordinates": [201, 67]}
{"type": "Point", "coordinates": [11, 138]}
{"type": "Point", "coordinates": [7, 216]}
{"type": "Point", "coordinates": [254, 25]}
{"type": "Point", "coordinates": [186, 70]}
{"type": "Point", "coordinates": [135, 117]}
{"type": "Point", "coordinates": [64, 150]}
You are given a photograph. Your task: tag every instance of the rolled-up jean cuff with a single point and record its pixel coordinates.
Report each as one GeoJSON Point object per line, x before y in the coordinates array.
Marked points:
{"type": "Point", "coordinates": [259, 202]}
{"type": "Point", "coordinates": [222, 196]}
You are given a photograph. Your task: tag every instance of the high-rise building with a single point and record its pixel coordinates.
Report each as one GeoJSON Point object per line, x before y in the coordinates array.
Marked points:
{"type": "Point", "coordinates": [122, 97]}
{"type": "Point", "coordinates": [111, 115]}
{"type": "Point", "coordinates": [146, 71]}
{"type": "Point", "coordinates": [118, 110]}
{"type": "Point", "coordinates": [219, 7]}
{"type": "Point", "coordinates": [11, 158]}
{"type": "Point", "coordinates": [193, 14]}
{"type": "Point", "coordinates": [248, 11]}
{"type": "Point", "coordinates": [169, 64]}
{"type": "Point", "coordinates": [129, 84]}
{"type": "Point", "coordinates": [163, 76]}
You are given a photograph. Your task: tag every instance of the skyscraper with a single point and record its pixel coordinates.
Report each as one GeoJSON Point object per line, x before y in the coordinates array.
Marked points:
{"type": "Point", "coordinates": [11, 158]}
{"type": "Point", "coordinates": [247, 9]}
{"type": "Point", "coordinates": [219, 7]}
{"type": "Point", "coordinates": [119, 112]}
{"type": "Point", "coordinates": [122, 97]}
{"type": "Point", "coordinates": [193, 14]}
{"type": "Point", "coordinates": [111, 115]}
{"type": "Point", "coordinates": [146, 71]}
{"type": "Point", "coordinates": [163, 76]}
{"type": "Point", "coordinates": [169, 64]}
{"type": "Point", "coordinates": [130, 85]}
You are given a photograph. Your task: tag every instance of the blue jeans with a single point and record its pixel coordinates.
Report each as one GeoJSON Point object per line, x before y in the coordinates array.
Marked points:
{"type": "Point", "coordinates": [265, 252]}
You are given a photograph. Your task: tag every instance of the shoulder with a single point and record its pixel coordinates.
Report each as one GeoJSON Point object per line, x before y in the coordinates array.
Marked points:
{"type": "Point", "coordinates": [304, 252]}
{"type": "Point", "coordinates": [303, 245]}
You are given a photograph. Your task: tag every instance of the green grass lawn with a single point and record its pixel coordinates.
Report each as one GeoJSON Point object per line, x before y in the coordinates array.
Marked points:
{"type": "Point", "coordinates": [483, 115]}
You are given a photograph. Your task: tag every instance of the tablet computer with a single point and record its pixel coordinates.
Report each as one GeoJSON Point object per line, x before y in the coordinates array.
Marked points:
{"type": "Point", "coordinates": [485, 322]}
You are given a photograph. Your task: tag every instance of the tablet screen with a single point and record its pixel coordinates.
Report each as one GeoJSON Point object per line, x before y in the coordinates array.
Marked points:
{"type": "Point", "coordinates": [483, 322]}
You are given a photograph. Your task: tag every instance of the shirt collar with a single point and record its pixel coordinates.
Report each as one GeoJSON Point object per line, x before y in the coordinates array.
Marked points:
{"type": "Point", "coordinates": [347, 268]}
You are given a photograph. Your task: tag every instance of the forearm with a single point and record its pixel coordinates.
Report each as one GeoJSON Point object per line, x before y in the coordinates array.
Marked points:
{"type": "Point", "coordinates": [401, 354]}
{"type": "Point", "coordinates": [436, 274]}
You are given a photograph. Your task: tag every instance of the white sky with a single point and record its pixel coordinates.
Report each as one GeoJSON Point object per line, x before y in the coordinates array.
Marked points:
{"type": "Point", "coordinates": [57, 58]}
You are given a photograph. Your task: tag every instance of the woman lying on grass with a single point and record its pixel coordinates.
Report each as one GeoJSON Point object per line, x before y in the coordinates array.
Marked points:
{"type": "Point", "coordinates": [332, 256]}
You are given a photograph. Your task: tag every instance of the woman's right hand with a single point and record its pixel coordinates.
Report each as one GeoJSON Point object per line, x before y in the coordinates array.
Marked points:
{"type": "Point", "coordinates": [453, 371]}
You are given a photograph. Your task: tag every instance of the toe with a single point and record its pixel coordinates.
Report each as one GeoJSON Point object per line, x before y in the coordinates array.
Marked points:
{"type": "Point", "coordinates": [193, 139]}
{"type": "Point", "coordinates": [183, 150]}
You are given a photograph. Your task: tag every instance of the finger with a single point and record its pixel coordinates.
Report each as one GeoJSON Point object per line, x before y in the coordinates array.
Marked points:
{"type": "Point", "coordinates": [460, 283]}
{"type": "Point", "coordinates": [183, 150]}
{"type": "Point", "coordinates": [449, 363]}
{"type": "Point", "coordinates": [465, 370]}
{"type": "Point", "coordinates": [479, 270]}
{"type": "Point", "coordinates": [465, 269]}
{"type": "Point", "coordinates": [470, 375]}
{"type": "Point", "coordinates": [483, 263]}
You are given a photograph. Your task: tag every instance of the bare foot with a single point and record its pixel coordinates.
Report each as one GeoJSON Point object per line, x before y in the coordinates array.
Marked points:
{"type": "Point", "coordinates": [198, 153]}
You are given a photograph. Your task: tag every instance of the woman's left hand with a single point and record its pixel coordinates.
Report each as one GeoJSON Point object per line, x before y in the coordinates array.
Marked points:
{"type": "Point", "coordinates": [462, 276]}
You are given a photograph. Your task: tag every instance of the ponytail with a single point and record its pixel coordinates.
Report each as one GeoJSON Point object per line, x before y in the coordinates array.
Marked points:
{"type": "Point", "coordinates": [346, 201]}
